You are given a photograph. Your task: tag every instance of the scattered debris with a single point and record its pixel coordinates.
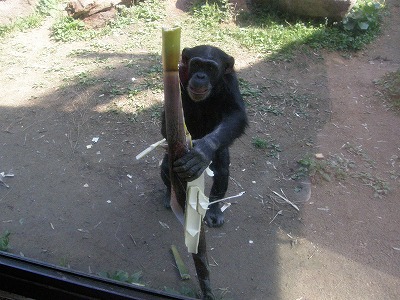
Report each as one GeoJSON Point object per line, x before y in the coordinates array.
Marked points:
{"type": "Point", "coordinates": [4, 175]}
{"type": "Point", "coordinates": [323, 208]}
{"type": "Point", "coordinates": [3, 183]}
{"type": "Point", "coordinates": [225, 206]}
{"type": "Point", "coordinates": [133, 240]}
{"type": "Point", "coordinates": [164, 225]}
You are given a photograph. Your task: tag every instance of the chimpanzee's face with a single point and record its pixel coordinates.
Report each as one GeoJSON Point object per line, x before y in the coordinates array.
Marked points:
{"type": "Point", "coordinates": [202, 68]}
{"type": "Point", "coordinates": [203, 74]}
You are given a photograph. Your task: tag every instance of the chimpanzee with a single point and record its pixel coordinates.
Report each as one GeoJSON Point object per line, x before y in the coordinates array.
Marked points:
{"type": "Point", "coordinates": [214, 115]}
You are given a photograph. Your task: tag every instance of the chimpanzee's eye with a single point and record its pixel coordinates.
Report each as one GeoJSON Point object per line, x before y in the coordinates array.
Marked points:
{"type": "Point", "coordinates": [212, 68]}
{"type": "Point", "coordinates": [198, 64]}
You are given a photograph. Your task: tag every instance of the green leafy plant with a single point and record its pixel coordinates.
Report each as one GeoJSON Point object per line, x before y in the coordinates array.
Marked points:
{"type": "Point", "coordinates": [313, 168]}
{"type": "Point", "coordinates": [379, 185]}
{"type": "Point", "coordinates": [365, 15]}
{"type": "Point", "coordinates": [272, 148]}
{"type": "Point", "coordinates": [260, 143]}
{"type": "Point", "coordinates": [45, 7]}
{"type": "Point", "coordinates": [4, 240]}
{"type": "Point", "coordinates": [68, 29]}
{"type": "Point", "coordinates": [334, 167]}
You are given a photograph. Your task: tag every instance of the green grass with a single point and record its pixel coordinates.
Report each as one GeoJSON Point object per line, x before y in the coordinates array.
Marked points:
{"type": "Point", "coordinates": [4, 241]}
{"type": "Point", "coordinates": [145, 15]}
{"type": "Point", "coordinates": [43, 9]}
{"type": "Point", "coordinates": [266, 32]}
{"type": "Point", "coordinates": [249, 91]}
{"type": "Point", "coordinates": [21, 24]}
{"type": "Point", "coordinates": [377, 184]}
{"type": "Point", "coordinates": [270, 33]}
{"type": "Point", "coordinates": [123, 276]}
{"type": "Point", "coordinates": [184, 291]}
{"type": "Point", "coordinates": [334, 167]}
{"type": "Point", "coordinates": [338, 167]}
{"type": "Point", "coordinates": [390, 86]}
{"type": "Point", "coordinates": [271, 148]}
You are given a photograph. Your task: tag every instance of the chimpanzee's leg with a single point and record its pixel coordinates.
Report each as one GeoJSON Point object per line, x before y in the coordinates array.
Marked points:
{"type": "Point", "coordinates": [220, 166]}
{"type": "Point", "coordinates": [166, 180]}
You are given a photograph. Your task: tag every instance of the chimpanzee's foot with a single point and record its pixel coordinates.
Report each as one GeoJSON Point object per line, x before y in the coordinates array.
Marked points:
{"type": "Point", "coordinates": [214, 216]}
{"type": "Point", "coordinates": [208, 296]}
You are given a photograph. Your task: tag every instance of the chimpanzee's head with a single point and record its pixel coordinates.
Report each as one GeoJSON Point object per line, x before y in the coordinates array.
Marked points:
{"type": "Point", "coordinates": [202, 68]}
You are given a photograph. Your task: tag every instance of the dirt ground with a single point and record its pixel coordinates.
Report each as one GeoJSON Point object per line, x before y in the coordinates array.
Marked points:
{"type": "Point", "coordinates": [92, 207]}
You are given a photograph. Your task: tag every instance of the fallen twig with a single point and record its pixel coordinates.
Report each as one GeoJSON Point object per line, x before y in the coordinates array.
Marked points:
{"type": "Point", "coordinates": [2, 182]}
{"type": "Point", "coordinates": [216, 264]}
{"type": "Point", "coordinates": [278, 213]}
{"type": "Point", "coordinates": [150, 148]}
{"type": "Point", "coordinates": [115, 235]}
{"type": "Point", "coordinates": [286, 200]}
{"type": "Point", "coordinates": [227, 198]}
{"type": "Point", "coordinates": [133, 240]}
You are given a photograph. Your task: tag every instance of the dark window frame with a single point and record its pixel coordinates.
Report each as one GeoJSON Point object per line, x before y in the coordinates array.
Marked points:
{"type": "Point", "coordinates": [39, 280]}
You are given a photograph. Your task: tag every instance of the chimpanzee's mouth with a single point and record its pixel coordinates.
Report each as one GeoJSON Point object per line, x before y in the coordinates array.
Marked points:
{"type": "Point", "coordinates": [198, 94]}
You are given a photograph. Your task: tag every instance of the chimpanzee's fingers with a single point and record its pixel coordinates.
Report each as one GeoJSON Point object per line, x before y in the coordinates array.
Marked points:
{"type": "Point", "coordinates": [181, 162]}
{"type": "Point", "coordinates": [184, 164]}
{"type": "Point", "coordinates": [192, 173]}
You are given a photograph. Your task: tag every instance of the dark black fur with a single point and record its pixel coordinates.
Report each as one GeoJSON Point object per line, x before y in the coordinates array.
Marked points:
{"type": "Point", "coordinates": [215, 116]}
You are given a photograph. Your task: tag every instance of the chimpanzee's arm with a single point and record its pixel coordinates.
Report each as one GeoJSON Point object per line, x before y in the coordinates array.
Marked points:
{"type": "Point", "coordinates": [233, 124]}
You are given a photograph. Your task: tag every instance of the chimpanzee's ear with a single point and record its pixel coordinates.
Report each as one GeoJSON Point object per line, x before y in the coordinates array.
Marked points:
{"type": "Point", "coordinates": [184, 67]}
{"type": "Point", "coordinates": [185, 58]}
{"type": "Point", "coordinates": [229, 65]}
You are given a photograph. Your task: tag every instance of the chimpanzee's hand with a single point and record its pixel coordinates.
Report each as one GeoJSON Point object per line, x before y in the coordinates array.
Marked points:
{"type": "Point", "coordinates": [192, 164]}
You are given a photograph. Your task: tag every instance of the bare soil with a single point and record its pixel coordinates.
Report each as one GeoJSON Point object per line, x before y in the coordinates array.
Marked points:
{"type": "Point", "coordinates": [96, 209]}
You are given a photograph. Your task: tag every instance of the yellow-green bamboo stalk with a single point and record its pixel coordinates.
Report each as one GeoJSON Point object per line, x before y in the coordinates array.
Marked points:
{"type": "Point", "coordinates": [178, 146]}
{"type": "Point", "coordinates": [171, 48]}
{"type": "Point", "coordinates": [175, 125]}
